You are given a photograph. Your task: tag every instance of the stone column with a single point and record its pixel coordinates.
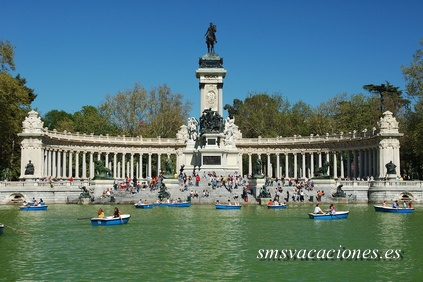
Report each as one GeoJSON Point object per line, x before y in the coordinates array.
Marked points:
{"type": "Point", "coordinates": [250, 165]}
{"type": "Point", "coordinates": [91, 165]}
{"type": "Point", "coordinates": [328, 160]}
{"type": "Point", "coordinates": [149, 166]}
{"type": "Point", "coordinates": [84, 165]}
{"type": "Point", "coordinates": [54, 166]}
{"type": "Point", "coordinates": [158, 163]}
{"type": "Point", "coordinates": [369, 162]}
{"type": "Point", "coordinates": [132, 166]}
{"type": "Point", "coordinates": [64, 164]}
{"type": "Point", "coordinates": [303, 164]}
{"type": "Point", "coordinates": [356, 172]}
{"type": "Point", "coordinates": [114, 165]}
{"type": "Point", "coordinates": [269, 168]}
{"type": "Point", "coordinates": [311, 164]}
{"type": "Point", "coordinates": [295, 165]}
{"type": "Point", "coordinates": [342, 164]}
{"type": "Point", "coordinates": [49, 168]}
{"type": "Point", "coordinates": [59, 164]}
{"type": "Point", "coordinates": [335, 166]}
{"type": "Point", "coordinates": [45, 162]}
{"type": "Point", "coordinates": [70, 164]}
{"type": "Point", "coordinates": [278, 166]}
{"type": "Point", "coordinates": [77, 164]}
{"type": "Point", "coordinates": [287, 165]}
{"type": "Point", "coordinates": [141, 170]}
{"type": "Point", "coordinates": [375, 167]}
{"type": "Point", "coordinates": [123, 165]}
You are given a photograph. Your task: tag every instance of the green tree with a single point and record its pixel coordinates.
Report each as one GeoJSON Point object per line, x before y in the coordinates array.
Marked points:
{"type": "Point", "coordinates": [126, 110]}
{"type": "Point", "coordinates": [59, 120]}
{"type": "Point", "coordinates": [411, 149]}
{"type": "Point", "coordinates": [413, 74]}
{"type": "Point", "coordinates": [356, 113]}
{"type": "Point", "coordinates": [165, 112]}
{"type": "Point", "coordinates": [7, 55]}
{"type": "Point", "coordinates": [157, 112]}
{"type": "Point", "coordinates": [262, 115]}
{"type": "Point", "coordinates": [390, 97]}
{"type": "Point", "coordinates": [299, 119]}
{"type": "Point", "coordinates": [15, 101]}
{"type": "Point", "coordinates": [323, 119]}
{"type": "Point", "coordinates": [89, 120]}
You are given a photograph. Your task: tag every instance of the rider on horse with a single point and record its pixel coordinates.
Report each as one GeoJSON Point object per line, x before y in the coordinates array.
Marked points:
{"type": "Point", "coordinates": [211, 38]}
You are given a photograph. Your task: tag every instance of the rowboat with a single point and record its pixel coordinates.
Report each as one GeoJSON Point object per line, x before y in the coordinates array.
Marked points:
{"type": "Point", "coordinates": [160, 204]}
{"type": "Point", "coordinates": [394, 210]}
{"type": "Point", "coordinates": [179, 205]}
{"type": "Point", "coordinates": [274, 207]}
{"type": "Point", "coordinates": [228, 207]}
{"type": "Point", "coordinates": [329, 216]}
{"type": "Point", "coordinates": [1, 228]}
{"type": "Point", "coordinates": [33, 208]}
{"type": "Point", "coordinates": [110, 220]}
{"type": "Point", "coordinates": [143, 206]}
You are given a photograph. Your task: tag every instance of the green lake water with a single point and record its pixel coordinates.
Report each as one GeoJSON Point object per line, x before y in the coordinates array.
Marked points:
{"type": "Point", "coordinates": [201, 243]}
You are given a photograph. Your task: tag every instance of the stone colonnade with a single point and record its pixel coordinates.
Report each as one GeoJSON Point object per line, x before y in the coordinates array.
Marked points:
{"type": "Point", "coordinates": [354, 154]}
{"type": "Point", "coordinates": [81, 165]}
{"type": "Point", "coordinates": [343, 164]}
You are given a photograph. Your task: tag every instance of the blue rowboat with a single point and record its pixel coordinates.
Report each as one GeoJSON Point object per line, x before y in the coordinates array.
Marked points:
{"type": "Point", "coordinates": [33, 208]}
{"type": "Point", "coordinates": [144, 206]}
{"type": "Point", "coordinates": [179, 205]}
{"type": "Point", "coordinates": [160, 204]}
{"type": "Point", "coordinates": [1, 228]}
{"type": "Point", "coordinates": [274, 207]}
{"type": "Point", "coordinates": [110, 220]}
{"type": "Point", "coordinates": [228, 207]}
{"type": "Point", "coordinates": [328, 216]}
{"type": "Point", "coordinates": [394, 210]}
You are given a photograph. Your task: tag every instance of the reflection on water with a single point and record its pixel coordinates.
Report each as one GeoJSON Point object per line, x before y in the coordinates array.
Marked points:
{"type": "Point", "coordinates": [202, 243]}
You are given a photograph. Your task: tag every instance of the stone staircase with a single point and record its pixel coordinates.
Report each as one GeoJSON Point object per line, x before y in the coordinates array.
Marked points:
{"type": "Point", "coordinates": [173, 187]}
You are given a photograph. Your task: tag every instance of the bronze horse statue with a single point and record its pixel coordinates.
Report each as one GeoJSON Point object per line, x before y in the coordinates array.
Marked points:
{"type": "Point", "coordinates": [211, 38]}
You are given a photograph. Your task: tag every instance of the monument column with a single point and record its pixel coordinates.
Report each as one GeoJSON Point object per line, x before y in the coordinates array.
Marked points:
{"type": "Point", "coordinates": [211, 74]}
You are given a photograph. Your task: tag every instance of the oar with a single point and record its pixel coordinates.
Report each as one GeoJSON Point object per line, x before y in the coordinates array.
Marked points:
{"type": "Point", "coordinates": [83, 218]}
{"type": "Point", "coordinates": [17, 230]}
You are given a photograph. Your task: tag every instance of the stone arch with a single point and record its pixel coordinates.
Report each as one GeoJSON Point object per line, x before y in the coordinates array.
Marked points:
{"type": "Point", "coordinates": [405, 197]}
{"type": "Point", "coordinates": [15, 198]}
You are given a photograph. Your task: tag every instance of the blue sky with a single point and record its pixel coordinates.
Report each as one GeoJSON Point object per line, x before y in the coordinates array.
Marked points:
{"type": "Point", "coordinates": [75, 52]}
